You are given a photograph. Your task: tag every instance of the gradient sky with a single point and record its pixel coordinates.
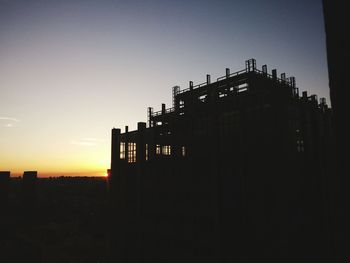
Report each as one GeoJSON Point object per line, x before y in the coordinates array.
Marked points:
{"type": "Point", "coordinates": [71, 70]}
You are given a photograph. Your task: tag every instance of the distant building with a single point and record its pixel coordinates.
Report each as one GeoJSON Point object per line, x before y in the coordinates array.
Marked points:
{"type": "Point", "coordinates": [234, 170]}
{"type": "Point", "coordinates": [29, 190]}
{"type": "Point", "coordinates": [4, 187]}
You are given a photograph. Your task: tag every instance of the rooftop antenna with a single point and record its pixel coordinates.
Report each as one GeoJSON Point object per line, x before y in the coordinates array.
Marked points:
{"type": "Point", "coordinates": [283, 77]}
{"type": "Point", "coordinates": [264, 70]}
{"type": "Point", "coordinates": [149, 116]}
{"type": "Point", "coordinates": [250, 65]}
{"type": "Point", "coordinates": [191, 85]}
{"type": "Point", "coordinates": [274, 74]}
{"type": "Point", "coordinates": [176, 90]}
{"type": "Point", "coordinates": [208, 79]}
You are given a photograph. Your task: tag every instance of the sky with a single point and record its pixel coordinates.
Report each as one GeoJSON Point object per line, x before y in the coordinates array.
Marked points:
{"type": "Point", "coordinates": [71, 70]}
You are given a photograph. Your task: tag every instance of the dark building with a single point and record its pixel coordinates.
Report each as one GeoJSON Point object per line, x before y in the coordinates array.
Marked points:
{"type": "Point", "coordinates": [4, 187]}
{"type": "Point", "coordinates": [236, 171]}
{"type": "Point", "coordinates": [29, 190]}
{"type": "Point", "coordinates": [335, 16]}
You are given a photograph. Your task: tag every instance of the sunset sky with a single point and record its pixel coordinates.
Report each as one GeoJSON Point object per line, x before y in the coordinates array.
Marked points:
{"type": "Point", "coordinates": [71, 70]}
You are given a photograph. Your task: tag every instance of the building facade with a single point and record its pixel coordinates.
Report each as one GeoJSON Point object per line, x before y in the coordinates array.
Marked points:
{"type": "Point", "coordinates": [236, 171]}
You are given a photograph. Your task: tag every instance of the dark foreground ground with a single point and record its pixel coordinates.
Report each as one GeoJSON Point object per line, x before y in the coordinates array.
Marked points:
{"type": "Point", "coordinates": [60, 220]}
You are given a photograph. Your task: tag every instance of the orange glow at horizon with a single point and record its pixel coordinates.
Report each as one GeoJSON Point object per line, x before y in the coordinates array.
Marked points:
{"type": "Point", "coordinates": [73, 160]}
{"type": "Point", "coordinates": [43, 174]}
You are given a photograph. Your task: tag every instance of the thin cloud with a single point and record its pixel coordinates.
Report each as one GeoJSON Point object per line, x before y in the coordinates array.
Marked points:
{"type": "Point", "coordinates": [9, 121]}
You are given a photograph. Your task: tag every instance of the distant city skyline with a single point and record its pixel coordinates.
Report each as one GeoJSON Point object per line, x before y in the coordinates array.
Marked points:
{"type": "Point", "coordinates": [70, 71]}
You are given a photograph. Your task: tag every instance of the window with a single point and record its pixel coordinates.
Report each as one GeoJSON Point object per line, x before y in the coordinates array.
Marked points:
{"type": "Point", "coordinates": [242, 87]}
{"type": "Point", "coordinates": [131, 152]}
{"type": "Point", "coordinates": [222, 94]}
{"type": "Point", "coordinates": [181, 104]}
{"type": "Point", "coordinates": [300, 146]}
{"type": "Point", "coordinates": [183, 151]}
{"type": "Point", "coordinates": [146, 153]}
{"type": "Point", "coordinates": [122, 151]}
{"type": "Point", "coordinates": [158, 149]}
{"type": "Point", "coordinates": [166, 150]}
{"type": "Point", "coordinates": [203, 98]}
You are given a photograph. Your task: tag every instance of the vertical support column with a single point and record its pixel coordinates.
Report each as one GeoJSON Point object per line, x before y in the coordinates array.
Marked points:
{"type": "Point", "coordinates": [283, 77]}
{"type": "Point", "coordinates": [115, 154]}
{"type": "Point", "coordinates": [140, 160]}
{"type": "Point", "coordinates": [295, 89]}
{"type": "Point", "coordinates": [140, 144]}
{"type": "Point", "coordinates": [149, 116]}
{"type": "Point", "coordinates": [264, 70]}
{"type": "Point", "coordinates": [274, 74]}
{"type": "Point", "coordinates": [114, 173]}
{"type": "Point", "coordinates": [176, 90]}
{"type": "Point", "coordinates": [292, 81]}
{"type": "Point", "coordinates": [227, 76]}
{"type": "Point", "coordinates": [126, 143]}
{"type": "Point", "coordinates": [250, 65]}
{"type": "Point", "coordinates": [116, 196]}
{"type": "Point", "coordinates": [212, 166]}
{"type": "Point", "coordinates": [304, 95]}
{"type": "Point", "coordinates": [314, 100]}
{"type": "Point", "coordinates": [152, 145]}
{"type": "Point", "coordinates": [208, 79]}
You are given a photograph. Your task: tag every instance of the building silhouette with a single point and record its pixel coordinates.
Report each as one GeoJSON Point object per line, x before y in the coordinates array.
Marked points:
{"type": "Point", "coordinates": [29, 189]}
{"type": "Point", "coordinates": [4, 187]}
{"type": "Point", "coordinates": [335, 16]}
{"type": "Point", "coordinates": [236, 170]}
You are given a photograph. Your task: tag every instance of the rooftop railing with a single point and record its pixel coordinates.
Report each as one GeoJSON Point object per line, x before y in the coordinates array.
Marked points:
{"type": "Point", "coordinates": [169, 110]}
{"type": "Point", "coordinates": [237, 73]}
{"type": "Point", "coordinates": [250, 68]}
{"type": "Point", "coordinates": [232, 74]}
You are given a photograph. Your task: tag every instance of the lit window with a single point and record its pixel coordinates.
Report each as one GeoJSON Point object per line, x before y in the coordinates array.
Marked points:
{"type": "Point", "coordinates": [203, 98]}
{"type": "Point", "coordinates": [131, 152]}
{"type": "Point", "coordinates": [166, 150]}
{"type": "Point", "coordinates": [122, 150]}
{"type": "Point", "coordinates": [182, 104]}
{"type": "Point", "coordinates": [158, 149]}
{"type": "Point", "coordinates": [222, 94]}
{"type": "Point", "coordinates": [183, 151]}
